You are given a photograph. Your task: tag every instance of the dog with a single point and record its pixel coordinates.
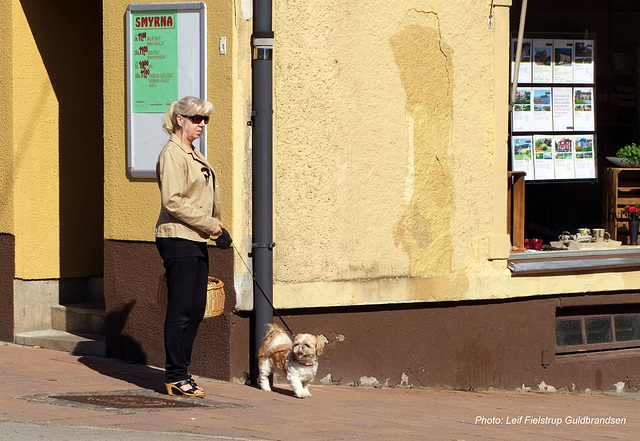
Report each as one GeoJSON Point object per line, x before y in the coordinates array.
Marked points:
{"type": "Point", "coordinates": [298, 359]}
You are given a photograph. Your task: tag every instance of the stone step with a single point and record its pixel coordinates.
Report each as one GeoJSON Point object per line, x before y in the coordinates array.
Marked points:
{"type": "Point", "coordinates": [85, 344]}
{"type": "Point", "coordinates": [78, 318]}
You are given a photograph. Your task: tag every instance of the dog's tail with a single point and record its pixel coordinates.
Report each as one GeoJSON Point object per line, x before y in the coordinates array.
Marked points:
{"type": "Point", "coordinates": [273, 330]}
{"type": "Point", "coordinates": [276, 340]}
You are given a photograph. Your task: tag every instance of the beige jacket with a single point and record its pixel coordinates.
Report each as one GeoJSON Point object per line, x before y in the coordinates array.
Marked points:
{"type": "Point", "coordinates": [190, 206]}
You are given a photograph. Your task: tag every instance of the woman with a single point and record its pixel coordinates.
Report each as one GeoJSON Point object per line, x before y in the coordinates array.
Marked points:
{"type": "Point", "coordinates": [189, 216]}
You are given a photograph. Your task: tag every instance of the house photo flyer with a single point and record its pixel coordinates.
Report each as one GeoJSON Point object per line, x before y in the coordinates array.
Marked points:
{"type": "Point", "coordinates": [563, 157]}
{"type": "Point", "coordinates": [542, 58]}
{"type": "Point", "coordinates": [563, 61]}
{"type": "Point", "coordinates": [562, 98]}
{"type": "Point", "coordinates": [543, 157]}
{"type": "Point", "coordinates": [584, 151]}
{"type": "Point", "coordinates": [542, 115]}
{"type": "Point", "coordinates": [583, 62]}
{"type": "Point", "coordinates": [524, 73]}
{"type": "Point", "coordinates": [523, 111]}
{"type": "Point", "coordinates": [522, 155]}
{"type": "Point", "coordinates": [583, 114]}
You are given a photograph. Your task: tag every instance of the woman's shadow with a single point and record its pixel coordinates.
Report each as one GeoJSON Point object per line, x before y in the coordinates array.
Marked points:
{"type": "Point", "coordinates": [135, 372]}
{"type": "Point", "coordinates": [140, 375]}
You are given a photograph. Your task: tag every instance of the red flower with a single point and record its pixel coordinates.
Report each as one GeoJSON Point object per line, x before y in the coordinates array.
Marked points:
{"type": "Point", "coordinates": [633, 211]}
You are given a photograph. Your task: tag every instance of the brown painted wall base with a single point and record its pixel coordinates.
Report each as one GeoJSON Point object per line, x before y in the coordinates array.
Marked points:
{"type": "Point", "coordinates": [457, 345]}
{"type": "Point", "coordinates": [7, 274]}
{"type": "Point", "coordinates": [135, 323]}
{"type": "Point", "coordinates": [464, 346]}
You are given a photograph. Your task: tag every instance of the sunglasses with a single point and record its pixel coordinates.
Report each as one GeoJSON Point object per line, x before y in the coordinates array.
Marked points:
{"type": "Point", "coordinates": [197, 119]}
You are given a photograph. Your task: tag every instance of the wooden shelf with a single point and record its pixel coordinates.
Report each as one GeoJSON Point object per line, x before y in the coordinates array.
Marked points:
{"type": "Point", "coordinates": [628, 189]}
{"type": "Point", "coordinates": [515, 208]}
{"type": "Point", "coordinates": [622, 188]}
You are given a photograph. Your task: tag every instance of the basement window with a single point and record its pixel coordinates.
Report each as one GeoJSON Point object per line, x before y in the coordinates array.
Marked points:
{"type": "Point", "coordinates": [597, 332]}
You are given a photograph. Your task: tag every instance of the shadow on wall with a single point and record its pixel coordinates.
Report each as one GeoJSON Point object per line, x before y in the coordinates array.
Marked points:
{"type": "Point", "coordinates": [72, 55]}
{"type": "Point", "coordinates": [119, 344]}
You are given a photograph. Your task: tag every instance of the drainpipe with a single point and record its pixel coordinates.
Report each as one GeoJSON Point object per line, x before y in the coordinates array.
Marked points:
{"type": "Point", "coordinates": [262, 164]}
{"type": "Point", "coordinates": [516, 67]}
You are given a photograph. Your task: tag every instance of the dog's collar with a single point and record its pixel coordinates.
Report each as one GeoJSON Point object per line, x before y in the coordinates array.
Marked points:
{"type": "Point", "coordinates": [304, 364]}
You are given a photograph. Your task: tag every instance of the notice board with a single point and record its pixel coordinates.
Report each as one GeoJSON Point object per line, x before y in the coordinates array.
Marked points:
{"type": "Point", "coordinates": [166, 60]}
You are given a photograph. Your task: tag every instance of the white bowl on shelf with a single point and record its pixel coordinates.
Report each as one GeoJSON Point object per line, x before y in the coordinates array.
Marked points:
{"type": "Point", "coordinates": [622, 162]}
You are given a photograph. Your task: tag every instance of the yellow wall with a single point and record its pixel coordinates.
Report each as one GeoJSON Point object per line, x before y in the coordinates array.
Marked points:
{"type": "Point", "coordinates": [34, 127]}
{"type": "Point", "coordinates": [6, 97]}
{"type": "Point", "coordinates": [132, 205]}
{"type": "Point", "coordinates": [391, 124]}
{"type": "Point", "coordinates": [390, 150]}
{"type": "Point", "coordinates": [388, 145]}
{"type": "Point", "coordinates": [52, 145]}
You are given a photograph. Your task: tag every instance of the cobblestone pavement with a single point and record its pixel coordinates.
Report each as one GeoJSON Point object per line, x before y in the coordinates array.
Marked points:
{"type": "Point", "coordinates": [54, 395]}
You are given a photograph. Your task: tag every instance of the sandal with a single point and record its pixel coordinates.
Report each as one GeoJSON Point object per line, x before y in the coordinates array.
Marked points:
{"type": "Point", "coordinates": [193, 392]}
{"type": "Point", "coordinates": [194, 384]}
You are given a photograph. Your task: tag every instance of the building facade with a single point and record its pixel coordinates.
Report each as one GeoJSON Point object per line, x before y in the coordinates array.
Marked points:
{"type": "Point", "coordinates": [391, 161]}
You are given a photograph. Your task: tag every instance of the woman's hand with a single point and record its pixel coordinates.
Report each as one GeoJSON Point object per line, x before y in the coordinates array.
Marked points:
{"type": "Point", "coordinates": [218, 230]}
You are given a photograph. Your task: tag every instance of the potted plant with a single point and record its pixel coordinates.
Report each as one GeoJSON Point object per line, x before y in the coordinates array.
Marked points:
{"type": "Point", "coordinates": [629, 155]}
{"type": "Point", "coordinates": [633, 213]}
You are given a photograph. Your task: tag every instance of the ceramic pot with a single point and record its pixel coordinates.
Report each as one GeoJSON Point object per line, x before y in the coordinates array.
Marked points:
{"type": "Point", "coordinates": [633, 232]}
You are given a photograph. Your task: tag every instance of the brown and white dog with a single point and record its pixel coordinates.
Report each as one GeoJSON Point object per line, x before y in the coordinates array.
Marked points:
{"type": "Point", "coordinates": [297, 359]}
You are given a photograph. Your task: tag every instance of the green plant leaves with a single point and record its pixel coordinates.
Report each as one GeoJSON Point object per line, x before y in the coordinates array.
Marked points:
{"type": "Point", "coordinates": [630, 152]}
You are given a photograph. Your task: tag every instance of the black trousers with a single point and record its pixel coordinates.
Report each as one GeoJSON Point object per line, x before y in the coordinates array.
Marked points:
{"type": "Point", "coordinates": [187, 279]}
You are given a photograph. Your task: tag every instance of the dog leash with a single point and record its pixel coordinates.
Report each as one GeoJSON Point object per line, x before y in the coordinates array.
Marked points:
{"type": "Point", "coordinates": [263, 293]}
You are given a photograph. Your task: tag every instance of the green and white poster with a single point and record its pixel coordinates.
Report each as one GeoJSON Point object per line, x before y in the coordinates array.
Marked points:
{"type": "Point", "coordinates": [154, 81]}
{"type": "Point", "coordinates": [166, 56]}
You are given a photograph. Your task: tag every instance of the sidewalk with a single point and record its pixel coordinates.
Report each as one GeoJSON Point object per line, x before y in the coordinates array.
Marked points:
{"type": "Point", "coordinates": [33, 382]}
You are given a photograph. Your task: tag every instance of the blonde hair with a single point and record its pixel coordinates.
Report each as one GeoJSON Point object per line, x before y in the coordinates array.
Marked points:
{"type": "Point", "coordinates": [189, 105]}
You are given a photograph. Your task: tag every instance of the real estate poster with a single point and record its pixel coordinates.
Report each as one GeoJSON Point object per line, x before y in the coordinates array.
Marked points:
{"type": "Point", "coordinates": [583, 62]}
{"type": "Point", "coordinates": [522, 115]}
{"type": "Point", "coordinates": [524, 73]}
{"type": "Point", "coordinates": [563, 61]}
{"type": "Point", "coordinates": [553, 123]}
{"type": "Point", "coordinates": [585, 165]}
{"type": "Point", "coordinates": [154, 82]}
{"type": "Point", "coordinates": [543, 157]}
{"type": "Point", "coordinates": [583, 115]}
{"type": "Point", "coordinates": [542, 59]}
{"type": "Point", "coordinates": [522, 155]}
{"type": "Point", "coordinates": [563, 157]}
{"type": "Point", "coordinates": [542, 117]}
{"type": "Point", "coordinates": [562, 108]}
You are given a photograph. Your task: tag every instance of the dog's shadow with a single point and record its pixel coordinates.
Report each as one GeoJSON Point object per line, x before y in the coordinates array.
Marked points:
{"type": "Point", "coordinates": [283, 391]}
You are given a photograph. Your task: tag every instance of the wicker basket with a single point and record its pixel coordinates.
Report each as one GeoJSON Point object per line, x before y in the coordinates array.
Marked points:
{"type": "Point", "coordinates": [215, 296]}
